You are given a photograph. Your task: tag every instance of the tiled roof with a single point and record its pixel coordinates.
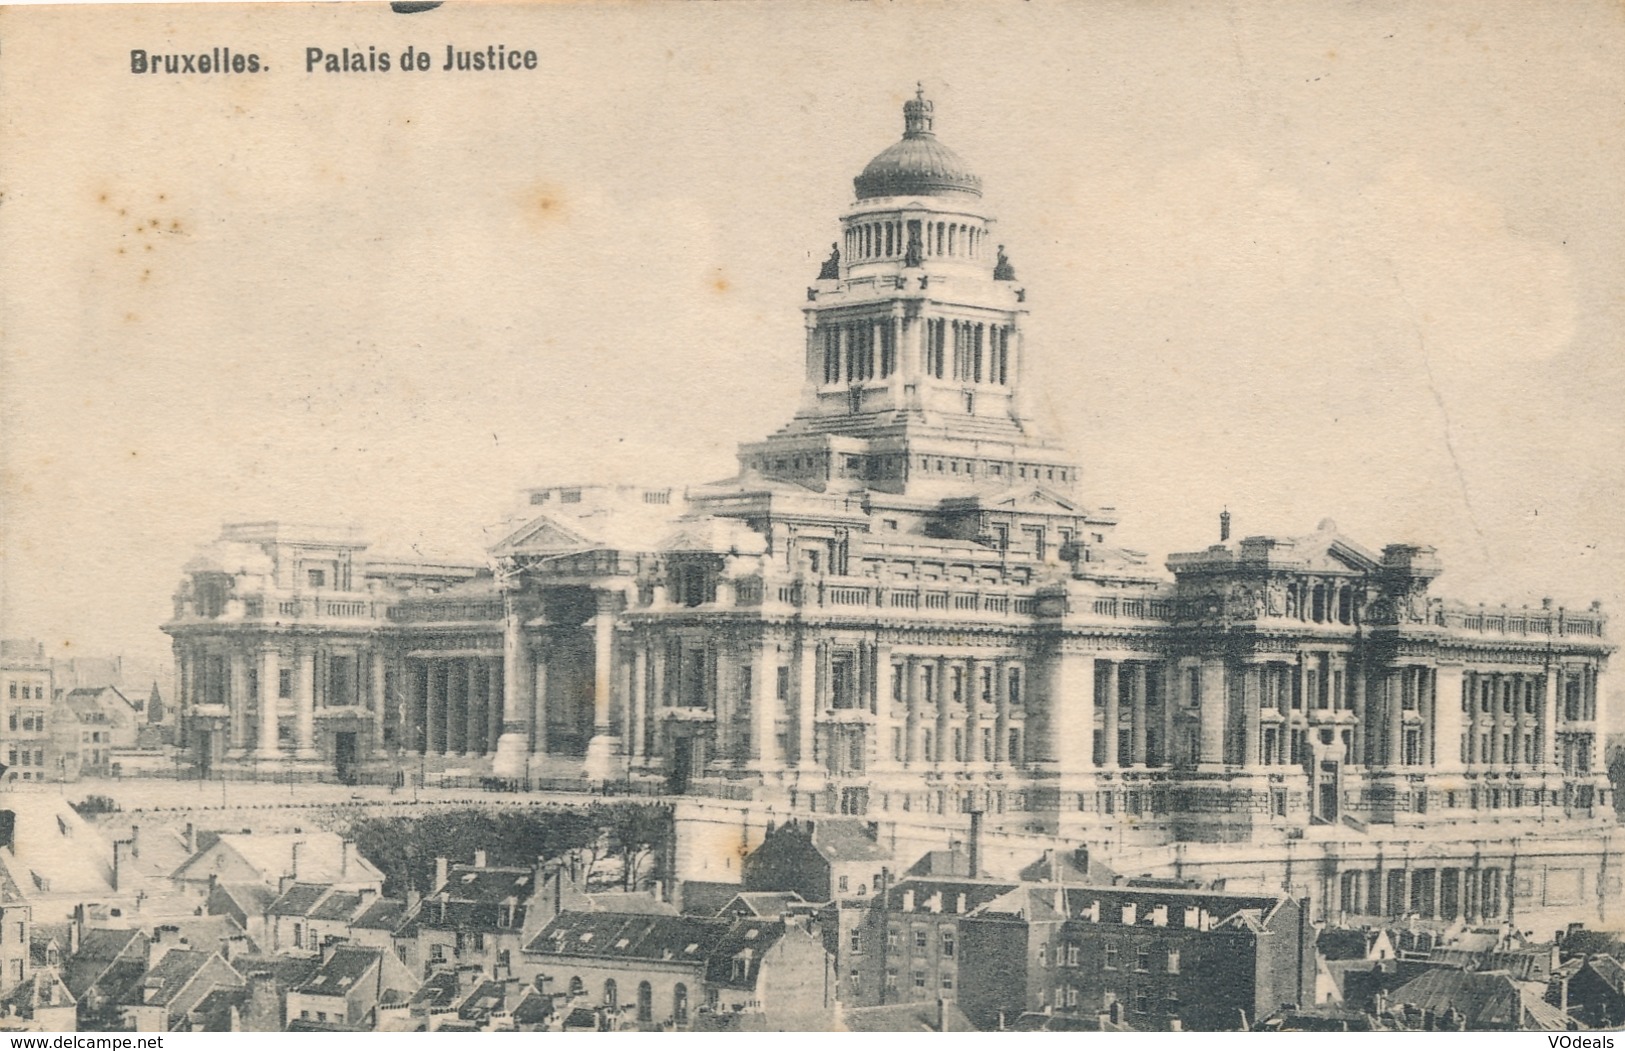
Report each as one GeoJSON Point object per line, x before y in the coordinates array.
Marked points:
{"type": "Point", "coordinates": [533, 1008]}
{"type": "Point", "coordinates": [346, 966]}
{"type": "Point", "coordinates": [299, 899]}
{"type": "Point", "coordinates": [438, 990]}
{"type": "Point", "coordinates": [847, 840]}
{"type": "Point", "coordinates": [162, 982]}
{"type": "Point", "coordinates": [1486, 1000]}
{"type": "Point", "coordinates": [766, 903]}
{"type": "Point", "coordinates": [1609, 970]}
{"type": "Point", "coordinates": [612, 935]}
{"type": "Point", "coordinates": [252, 898]}
{"type": "Point", "coordinates": [475, 899]}
{"type": "Point", "coordinates": [340, 905]}
{"type": "Point", "coordinates": [385, 914]}
{"type": "Point", "coordinates": [945, 895]}
{"type": "Point", "coordinates": [736, 959]}
{"type": "Point", "coordinates": [1343, 943]}
{"type": "Point", "coordinates": [286, 971]}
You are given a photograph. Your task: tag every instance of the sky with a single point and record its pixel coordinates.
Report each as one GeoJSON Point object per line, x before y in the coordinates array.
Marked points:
{"type": "Point", "coordinates": [1358, 261]}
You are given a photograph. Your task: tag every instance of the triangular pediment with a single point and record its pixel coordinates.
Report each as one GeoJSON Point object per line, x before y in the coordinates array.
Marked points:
{"type": "Point", "coordinates": [1036, 499]}
{"type": "Point", "coordinates": [541, 536]}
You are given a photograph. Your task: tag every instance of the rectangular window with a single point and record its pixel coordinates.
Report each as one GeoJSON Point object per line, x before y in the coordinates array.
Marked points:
{"type": "Point", "coordinates": [317, 578]}
{"type": "Point", "coordinates": [919, 939]}
{"type": "Point", "coordinates": [784, 684]}
{"type": "Point", "coordinates": [919, 979]}
{"type": "Point", "coordinates": [948, 944]}
{"type": "Point", "coordinates": [1173, 961]}
{"type": "Point", "coordinates": [1142, 958]}
{"type": "Point", "coordinates": [1109, 957]}
{"type": "Point", "coordinates": [856, 942]}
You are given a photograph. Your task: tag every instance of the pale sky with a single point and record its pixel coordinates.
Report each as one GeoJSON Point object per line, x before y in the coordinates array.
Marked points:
{"type": "Point", "coordinates": [1362, 261]}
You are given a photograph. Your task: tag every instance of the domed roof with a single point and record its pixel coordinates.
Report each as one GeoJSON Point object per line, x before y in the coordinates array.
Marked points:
{"type": "Point", "coordinates": [919, 164]}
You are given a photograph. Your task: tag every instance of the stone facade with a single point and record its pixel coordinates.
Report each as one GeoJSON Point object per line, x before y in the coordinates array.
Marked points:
{"type": "Point", "coordinates": [901, 608]}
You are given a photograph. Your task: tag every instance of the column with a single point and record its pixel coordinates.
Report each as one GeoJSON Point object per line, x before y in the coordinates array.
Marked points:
{"type": "Point", "coordinates": [1001, 711]}
{"type": "Point", "coordinates": [474, 728]}
{"type": "Point", "coordinates": [1392, 696]}
{"type": "Point", "coordinates": [637, 700]}
{"type": "Point", "coordinates": [973, 716]}
{"type": "Point", "coordinates": [1599, 717]}
{"type": "Point", "coordinates": [1427, 707]}
{"type": "Point", "coordinates": [913, 723]}
{"type": "Point", "coordinates": [513, 745]}
{"type": "Point", "coordinates": [1137, 713]}
{"type": "Point", "coordinates": [434, 709]}
{"type": "Point", "coordinates": [455, 725]}
{"type": "Point", "coordinates": [406, 699]}
{"type": "Point", "coordinates": [944, 732]}
{"type": "Point", "coordinates": [489, 670]}
{"type": "Point", "coordinates": [237, 697]}
{"type": "Point", "coordinates": [1497, 722]}
{"type": "Point", "coordinates": [764, 707]}
{"type": "Point", "coordinates": [1108, 726]}
{"type": "Point", "coordinates": [270, 680]}
{"type": "Point", "coordinates": [885, 719]}
{"type": "Point", "coordinates": [1068, 738]}
{"type": "Point", "coordinates": [376, 682]}
{"type": "Point", "coordinates": [304, 692]}
{"type": "Point", "coordinates": [534, 690]}
{"type": "Point", "coordinates": [1213, 700]}
{"type": "Point", "coordinates": [1447, 717]}
{"type": "Point", "coordinates": [1168, 670]}
{"type": "Point", "coordinates": [604, 745]}
{"type": "Point", "coordinates": [1250, 701]}
{"type": "Point", "coordinates": [655, 742]}
{"type": "Point", "coordinates": [807, 656]}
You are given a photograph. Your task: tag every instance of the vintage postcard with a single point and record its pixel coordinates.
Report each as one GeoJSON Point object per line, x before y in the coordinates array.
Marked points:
{"type": "Point", "coordinates": [601, 516]}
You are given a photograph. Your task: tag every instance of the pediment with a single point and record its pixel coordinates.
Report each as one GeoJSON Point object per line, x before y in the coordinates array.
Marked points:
{"type": "Point", "coordinates": [541, 536]}
{"type": "Point", "coordinates": [1036, 499]}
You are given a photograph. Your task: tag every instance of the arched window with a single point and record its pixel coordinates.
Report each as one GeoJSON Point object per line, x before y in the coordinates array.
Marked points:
{"type": "Point", "coordinates": [611, 1000]}
{"type": "Point", "coordinates": [679, 1004]}
{"type": "Point", "coordinates": [646, 1002]}
{"type": "Point", "coordinates": [577, 986]}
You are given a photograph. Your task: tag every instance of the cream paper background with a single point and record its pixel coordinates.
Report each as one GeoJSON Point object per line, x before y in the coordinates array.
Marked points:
{"type": "Point", "coordinates": [1351, 260]}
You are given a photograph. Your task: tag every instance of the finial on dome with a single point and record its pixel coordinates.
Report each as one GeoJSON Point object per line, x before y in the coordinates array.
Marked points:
{"type": "Point", "coordinates": [917, 113]}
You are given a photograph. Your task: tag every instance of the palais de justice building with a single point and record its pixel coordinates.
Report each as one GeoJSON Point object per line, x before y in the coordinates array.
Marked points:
{"type": "Point", "coordinates": [903, 607]}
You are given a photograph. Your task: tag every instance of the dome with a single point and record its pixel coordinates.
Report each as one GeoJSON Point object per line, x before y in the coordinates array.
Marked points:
{"type": "Point", "coordinates": [919, 164]}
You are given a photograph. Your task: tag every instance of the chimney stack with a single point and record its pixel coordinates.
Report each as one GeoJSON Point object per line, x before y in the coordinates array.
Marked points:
{"type": "Point", "coordinates": [344, 858]}
{"type": "Point", "coordinates": [298, 849]}
{"type": "Point", "coordinates": [1224, 525]}
{"type": "Point", "coordinates": [479, 859]}
{"type": "Point", "coordinates": [191, 839]}
{"type": "Point", "coordinates": [135, 841]}
{"type": "Point", "coordinates": [441, 871]}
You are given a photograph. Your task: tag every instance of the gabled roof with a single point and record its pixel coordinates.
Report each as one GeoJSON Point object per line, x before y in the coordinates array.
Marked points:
{"type": "Point", "coordinates": [322, 858]}
{"type": "Point", "coordinates": [163, 981]}
{"type": "Point", "coordinates": [1344, 943]}
{"type": "Point", "coordinates": [286, 971]}
{"type": "Point", "coordinates": [41, 990]}
{"type": "Point", "coordinates": [345, 966]}
{"type": "Point", "coordinates": [1488, 1000]}
{"type": "Point", "coordinates": [847, 839]}
{"type": "Point", "coordinates": [769, 904]}
{"type": "Point", "coordinates": [1609, 970]}
{"type": "Point", "coordinates": [299, 899]}
{"type": "Point", "coordinates": [385, 914]}
{"type": "Point", "coordinates": [609, 935]}
{"type": "Point", "coordinates": [736, 958]}
{"type": "Point", "coordinates": [929, 894]}
{"type": "Point", "coordinates": [339, 905]}
{"type": "Point", "coordinates": [533, 1009]}
{"type": "Point", "coordinates": [475, 898]}
{"type": "Point", "coordinates": [437, 991]}
{"type": "Point", "coordinates": [253, 899]}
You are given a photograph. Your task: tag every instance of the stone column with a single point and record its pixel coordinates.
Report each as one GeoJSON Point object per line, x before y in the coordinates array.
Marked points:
{"type": "Point", "coordinates": [237, 699]}
{"type": "Point", "coordinates": [1599, 718]}
{"type": "Point", "coordinates": [944, 730]}
{"type": "Point", "coordinates": [637, 700]}
{"type": "Point", "coordinates": [1393, 690]}
{"type": "Point", "coordinates": [1001, 710]}
{"type": "Point", "coordinates": [914, 720]}
{"type": "Point", "coordinates": [455, 701]}
{"type": "Point", "coordinates": [1250, 701]}
{"type": "Point", "coordinates": [1213, 704]}
{"type": "Point", "coordinates": [1168, 671]}
{"type": "Point", "coordinates": [1137, 699]}
{"type": "Point", "coordinates": [656, 743]}
{"type": "Point", "coordinates": [305, 702]}
{"type": "Point", "coordinates": [270, 680]}
{"type": "Point", "coordinates": [1497, 720]}
{"type": "Point", "coordinates": [513, 746]}
{"type": "Point", "coordinates": [1108, 725]}
{"type": "Point", "coordinates": [377, 671]}
{"type": "Point", "coordinates": [534, 690]}
{"type": "Point", "coordinates": [973, 716]}
{"type": "Point", "coordinates": [474, 729]}
{"type": "Point", "coordinates": [493, 702]}
{"type": "Point", "coordinates": [1447, 717]}
{"type": "Point", "coordinates": [434, 709]}
{"type": "Point", "coordinates": [1068, 738]}
{"type": "Point", "coordinates": [885, 720]}
{"type": "Point", "coordinates": [604, 746]}
{"type": "Point", "coordinates": [764, 707]}
{"type": "Point", "coordinates": [807, 656]}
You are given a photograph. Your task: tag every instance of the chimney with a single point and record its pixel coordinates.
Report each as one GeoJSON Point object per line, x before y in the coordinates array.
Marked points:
{"type": "Point", "coordinates": [479, 859]}
{"type": "Point", "coordinates": [1224, 525]}
{"type": "Point", "coordinates": [942, 1015]}
{"type": "Point", "coordinates": [975, 842]}
{"type": "Point", "coordinates": [191, 839]}
{"type": "Point", "coordinates": [961, 905]}
{"type": "Point", "coordinates": [298, 849]}
{"type": "Point", "coordinates": [467, 978]}
{"type": "Point", "coordinates": [344, 858]}
{"type": "Point", "coordinates": [135, 841]}
{"type": "Point", "coordinates": [908, 901]}
{"type": "Point", "coordinates": [76, 929]}
{"type": "Point", "coordinates": [440, 872]}
{"type": "Point", "coordinates": [120, 846]}
{"type": "Point", "coordinates": [264, 1009]}
{"type": "Point", "coordinates": [413, 899]}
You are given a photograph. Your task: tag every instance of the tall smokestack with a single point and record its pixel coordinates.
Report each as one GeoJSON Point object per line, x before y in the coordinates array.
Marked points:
{"type": "Point", "coordinates": [1224, 525]}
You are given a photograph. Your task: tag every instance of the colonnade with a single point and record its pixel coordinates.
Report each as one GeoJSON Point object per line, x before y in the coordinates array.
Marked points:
{"type": "Point", "coordinates": [1427, 892]}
